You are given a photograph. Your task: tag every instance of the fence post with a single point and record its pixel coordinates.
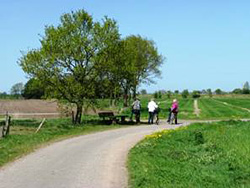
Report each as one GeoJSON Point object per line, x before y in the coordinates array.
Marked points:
{"type": "Point", "coordinates": [41, 124]}
{"type": "Point", "coordinates": [6, 126]}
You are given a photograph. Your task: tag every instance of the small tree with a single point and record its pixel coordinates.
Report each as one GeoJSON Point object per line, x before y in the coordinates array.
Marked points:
{"type": "Point", "coordinates": [169, 93]}
{"type": "Point", "coordinates": [196, 94]}
{"type": "Point", "coordinates": [209, 92]}
{"type": "Point", "coordinates": [143, 91]}
{"type": "Point", "coordinates": [17, 89]}
{"type": "Point", "coordinates": [159, 94]}
{"type": "Point", "coordinates": [218, 91]}
{"type": "Point", "coordinates": [185, 93]}
{"type": "Point", "coordinates": [246, 89]}
{"type": "Point", "coordinates": [156, 95]}
{"type": "Point", "coordinates": [237, 91]}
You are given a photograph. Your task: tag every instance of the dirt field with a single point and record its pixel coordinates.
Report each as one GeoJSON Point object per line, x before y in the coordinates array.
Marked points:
{"type": "Point", "coordinates": [29, 108]}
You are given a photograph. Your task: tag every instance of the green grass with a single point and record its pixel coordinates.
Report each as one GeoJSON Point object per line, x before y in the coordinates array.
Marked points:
{"type": "Point", "coordinates": [212, 109]}
{"type": "Point", "coordinates": [202, 155]}
{"type": "Point", "coordinates": [185, 106]}
{"type": "Point", "coordinates": [23, 140]}
{"type": "Point", "coordinates": [240, 102]}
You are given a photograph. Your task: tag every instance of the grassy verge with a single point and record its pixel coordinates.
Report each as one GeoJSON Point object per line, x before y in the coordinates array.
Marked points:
{"type": "Point", "coordinates": [23, 140]}
{"type": "Point", "coordinates": [202, 155]}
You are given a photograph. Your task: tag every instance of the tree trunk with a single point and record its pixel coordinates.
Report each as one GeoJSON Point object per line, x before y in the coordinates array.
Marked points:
{"type": "Point", "coordinates": [134, 92]}
{"type": "Point", "coordinates": [78, 116]}
{"type": "Point", "coordinates": [125, 98]}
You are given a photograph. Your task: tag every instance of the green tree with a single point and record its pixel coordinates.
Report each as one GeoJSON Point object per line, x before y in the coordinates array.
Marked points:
{"type": "Point", "coordinates": [142, 62]}
{"type": "Point", "coordinates": [156, 95]}
{"type": "Point", "coordinates": [218, 91]}
{"type": "Point", "coordinates": [71, 57]}
{"type": "Point", "coordinates": [185, 93]}
{"type": "Point", "coordinates": [17, 89]}
{"type": "Point", "coordinates": [237, 91]}
{"type": "Point", "coordinates": [159, 94]}
{"type": "Point", "coordinates": [143, 91]}
{"type": "Point", "coordinates": [169, 93]}
{"type": "Point", "coordinates": [196, 94]}
{"type": "Point", "coordinates": [33, 89]}
{"type": "Point", "coordinates": [209, 92]}
{"type": "Point", "coordinates": [246, 89]}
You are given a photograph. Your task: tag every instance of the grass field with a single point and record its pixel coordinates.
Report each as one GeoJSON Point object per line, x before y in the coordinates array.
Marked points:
{"type": "Point", "coordinates": [202, 155]}
{"type": "Point", "coordinates": [210, 108]}
{"type": "Point", "coordinates": [213, 109]}
{"type": "Point", "coordinates": [240, 102]}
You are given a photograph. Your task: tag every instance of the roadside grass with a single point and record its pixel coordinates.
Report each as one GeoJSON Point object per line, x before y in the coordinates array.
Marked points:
{"type": "Point", "coordinates": [23, 139]}
{"type": "Point", "coordinates": [201, 155]}
{"type": "Point", "coordinates": [212, 109]}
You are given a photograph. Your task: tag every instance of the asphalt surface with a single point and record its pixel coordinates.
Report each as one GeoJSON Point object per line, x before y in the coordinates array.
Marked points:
{"type": "Point", "coordinates": [91, 161]}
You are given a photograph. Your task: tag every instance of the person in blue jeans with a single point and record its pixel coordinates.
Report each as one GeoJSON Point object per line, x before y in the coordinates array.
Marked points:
{"type": "Point", "coordinates": [152, 106]}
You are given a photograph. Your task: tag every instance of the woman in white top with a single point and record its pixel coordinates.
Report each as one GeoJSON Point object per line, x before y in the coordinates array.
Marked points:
{"type": "Point", "coordinates": [151, 108]}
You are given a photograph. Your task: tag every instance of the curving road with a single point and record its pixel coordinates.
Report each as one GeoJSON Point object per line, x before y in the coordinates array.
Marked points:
{"type": "Point", "coordinates": [90, 161]}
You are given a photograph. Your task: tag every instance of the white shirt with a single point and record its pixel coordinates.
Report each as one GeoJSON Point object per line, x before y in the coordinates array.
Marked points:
{"type": "Point", "coordinates": [152, 106]}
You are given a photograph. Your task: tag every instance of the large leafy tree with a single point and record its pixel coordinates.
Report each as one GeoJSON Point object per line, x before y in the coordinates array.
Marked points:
{"type": "Point", "coordinates": [71, 57]}
{"type": "Point", "coordinates": [142, 62]}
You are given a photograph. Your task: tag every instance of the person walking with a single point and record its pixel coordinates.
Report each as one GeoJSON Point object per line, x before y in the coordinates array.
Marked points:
{"type": "Point", "coordinates": [174, 111]}
{"type": "Point", "coordinates": [136, 109]}
{"type": "Point", "coordinates": [151, 109]}
{"type": "Point", "coordinates": [157, 113]}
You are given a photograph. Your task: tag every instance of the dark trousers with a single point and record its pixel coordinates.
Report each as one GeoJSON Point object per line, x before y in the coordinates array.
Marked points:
{"type": "Point", "coordinates": [150, 117]}
{"type": "Point", "coordinates": [175, 117]}
{"type": "Point", "coordinates": [137, 115]}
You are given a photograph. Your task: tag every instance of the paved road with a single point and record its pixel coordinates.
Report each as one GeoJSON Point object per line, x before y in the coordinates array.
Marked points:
{"type": "Point", "coordinates": [90, 161]}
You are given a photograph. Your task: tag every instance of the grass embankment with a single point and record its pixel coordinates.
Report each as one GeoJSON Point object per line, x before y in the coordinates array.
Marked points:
{"type": "Point", "coordinates": [23, 140]}
{"type": "Point", "coordinates": [202, 155]}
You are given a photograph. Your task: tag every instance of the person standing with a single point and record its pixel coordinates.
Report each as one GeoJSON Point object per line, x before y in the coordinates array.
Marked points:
{"type": "Point", "coordinates": [174, 111]}
{"type": "Point", "coordinates": [157, 113]}
{"type": "Point", "coordinates": [136, 109]}
{"type": "Point", "coordinates": [151, 109]}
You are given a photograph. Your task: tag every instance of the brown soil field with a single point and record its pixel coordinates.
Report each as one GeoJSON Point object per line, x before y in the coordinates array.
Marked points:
{"type": "Point", "coordinates": [30, 108]}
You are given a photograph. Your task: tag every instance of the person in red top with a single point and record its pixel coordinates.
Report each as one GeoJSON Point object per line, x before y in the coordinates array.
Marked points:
{"type": "Point", "coordinates": [174, 111]}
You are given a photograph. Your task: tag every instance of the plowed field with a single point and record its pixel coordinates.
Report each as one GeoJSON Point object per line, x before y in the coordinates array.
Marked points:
{"type": "Point", "coordinates": [29, 108]}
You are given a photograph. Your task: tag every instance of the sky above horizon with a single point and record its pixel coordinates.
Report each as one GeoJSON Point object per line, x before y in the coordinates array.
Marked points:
{"type": "Point", "coordinates": [206, 43]}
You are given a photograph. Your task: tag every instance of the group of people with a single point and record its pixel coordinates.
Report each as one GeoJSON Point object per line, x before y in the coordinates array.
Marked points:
{"type": "Point", "coordinates": [153, 111]}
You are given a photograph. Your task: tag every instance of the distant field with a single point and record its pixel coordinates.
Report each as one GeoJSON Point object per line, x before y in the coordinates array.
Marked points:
{"type": "Point", "coordinates": [29, 108]}
{"type": "Point", "coordinates": [210, 108]}
{"type": "Point", "coordinates": [241, 102]}
{"type": "Point", "coordinates": [222, 107]}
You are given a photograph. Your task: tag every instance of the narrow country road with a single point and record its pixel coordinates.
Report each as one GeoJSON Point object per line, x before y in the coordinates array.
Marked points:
{"type": "Point", "coordinates": [90, 161]}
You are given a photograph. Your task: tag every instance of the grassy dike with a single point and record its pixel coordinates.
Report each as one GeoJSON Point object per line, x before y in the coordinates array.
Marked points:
{"type": "Point", "coordinates": [201, 155]}
{"type": "Point", "coordinates": [23, 140]}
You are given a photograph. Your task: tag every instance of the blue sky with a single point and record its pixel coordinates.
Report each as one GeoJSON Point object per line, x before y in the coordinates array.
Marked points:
{"type": "Point", "coordinates": [206, 42]}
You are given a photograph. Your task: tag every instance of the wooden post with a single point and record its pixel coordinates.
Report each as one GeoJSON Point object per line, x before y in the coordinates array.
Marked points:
{"type": "Point", "coordinates": [6, 126]}
{"type": "Point", "coordinates": [41, 124]}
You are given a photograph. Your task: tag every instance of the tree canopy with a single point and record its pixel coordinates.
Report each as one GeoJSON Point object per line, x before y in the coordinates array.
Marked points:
{"type": "Point", "coordinates": [81, 59]}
